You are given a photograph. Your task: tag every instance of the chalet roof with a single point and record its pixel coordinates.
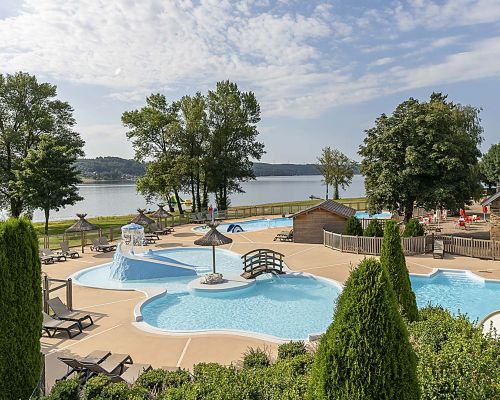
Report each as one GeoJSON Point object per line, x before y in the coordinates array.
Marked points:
{"type": "Point", "coordinates": [491, 199]}
{"type": "Point", "coordinates": [330, 206]}
{"type": "Point", "coordinates": [213, 238]}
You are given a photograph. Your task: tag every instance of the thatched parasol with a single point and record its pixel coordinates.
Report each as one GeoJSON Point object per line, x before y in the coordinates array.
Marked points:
{"type": "Point", "coordinates": [213, 238]}
{"type": "Point", "coordinates": [161, 213]}
{"type": "Point", "coordinates": [82, 226]}
{"type": "Point", "coordinates": [141, 218]}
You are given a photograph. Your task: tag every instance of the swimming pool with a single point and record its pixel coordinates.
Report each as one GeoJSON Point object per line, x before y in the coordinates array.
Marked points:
{"type": "Point", "coordinates": [290, 306]}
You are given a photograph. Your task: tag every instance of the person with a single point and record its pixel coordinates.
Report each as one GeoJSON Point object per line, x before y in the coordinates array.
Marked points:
{"type": "Point", "coordinates": [485, 211]}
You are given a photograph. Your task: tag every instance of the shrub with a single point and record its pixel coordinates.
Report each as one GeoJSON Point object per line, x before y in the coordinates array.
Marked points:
{"type": "Point", "coordinates": [255, 358]}
{"type": "Point", "coordinates": [21, 308]}
{"type": "Point", "coordinates": [353, 227]}
{"type": "Point", "coordinates": [393, 260]}
{"type": "Point", "coordinates": [455, 359]}
{"type": "Point", "coordinates": [365, 353]}
{"type": "Point", "coordinates": [291, 349]}
{"type": "Point", "coordinates": [115, 391]}
{"type": "Point", "coordinates": [65, 390]}
{"type": "Point", "coordinates": [413, 228]}
{"type": "Point", "coordinates": [152, 380]}
{"type": "Point", "coordinates": [374, 229]}
{"type": "Point", "coordinates": [94, 387]}
{"type": "Point", "coordinates": [176, 378]}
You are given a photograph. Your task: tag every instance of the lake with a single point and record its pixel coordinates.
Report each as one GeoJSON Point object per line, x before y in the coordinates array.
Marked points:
{"type": "Point", "coordinates": [102, 199]}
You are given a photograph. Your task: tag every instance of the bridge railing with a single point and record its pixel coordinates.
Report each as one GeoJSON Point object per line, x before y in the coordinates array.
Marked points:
{"type": "Point", "coordinates": [262, 258]}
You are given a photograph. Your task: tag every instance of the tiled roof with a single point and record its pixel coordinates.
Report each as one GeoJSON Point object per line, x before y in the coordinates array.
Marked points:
{"type": "Point", "coordinates": [491, 199]}
{"type": "Point", "coordinates": [330, 206]}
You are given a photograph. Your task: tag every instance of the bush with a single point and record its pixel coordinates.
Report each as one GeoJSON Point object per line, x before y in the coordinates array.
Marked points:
{"type": "Point", "coordinates": [353, 227]}
{"type": "Point", "coordinates": [21, 305]}
{"type": "Point", "coordinates": [374, 229]}
{"type": "Point", "coordinates": [413, 228]}
{"type": "Point", "coordinates": [65, 390]}
{"type": "Point", "coordinates": [291, 349]}
{"type": "Point", "coordinates": [393, 260]}
{"type": "Point", "coordinates": [365, 353]}
{"type": "Point", "coordinates": [176, 378]}
{"type": "Point", "coordinates": [255, 358]}
{"type": "Point", "coordinates": [152, 380]}
{"type": "Point", "coordinates": [455, 359]}
{"type": "Point", "coordinates": [94, 387]}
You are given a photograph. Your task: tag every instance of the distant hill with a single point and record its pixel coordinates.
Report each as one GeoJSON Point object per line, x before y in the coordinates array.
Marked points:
{"type": "Point", "coordinates": [116, 168]}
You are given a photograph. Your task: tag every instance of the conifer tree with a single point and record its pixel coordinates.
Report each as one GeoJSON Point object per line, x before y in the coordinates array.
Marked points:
{"type": "Point", "coordinates": [365, 353]}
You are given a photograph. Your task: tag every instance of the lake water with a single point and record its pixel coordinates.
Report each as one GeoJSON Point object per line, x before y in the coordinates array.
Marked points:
{"type": "Point", "coordinates": [102, 199]}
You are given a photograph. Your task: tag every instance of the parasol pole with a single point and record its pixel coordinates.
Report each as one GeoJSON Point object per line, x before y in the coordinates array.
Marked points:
{"type": "Point", "coordinates": [213, 259]}
{"type": "Point", "coordinates": [83, 241]}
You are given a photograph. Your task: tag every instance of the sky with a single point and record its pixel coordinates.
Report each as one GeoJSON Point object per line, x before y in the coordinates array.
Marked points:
{"type": "Point", "coordinates": [322, 71]}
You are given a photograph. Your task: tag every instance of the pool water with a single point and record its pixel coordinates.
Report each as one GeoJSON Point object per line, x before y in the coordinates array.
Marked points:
{"type": "Point", "coordinates": [252, 225]}
{"type": "Point", "coordinates": [367, 215]}
{"type": "Point", "coordinates": [287, 306]}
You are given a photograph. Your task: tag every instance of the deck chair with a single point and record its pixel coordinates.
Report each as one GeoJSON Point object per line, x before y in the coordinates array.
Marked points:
{"type": "Point", "coordinates": [65, 250]}
{"type": "Point", "coordinates": [76, 367]}
{"type": "Point", "coordinates": [284, 236]}
{"type": "Point", "coordinates": [438, 251]}
{"type": "Point", "coordinates": [154, 228]}
{"type": "Point", "coordinates": [52, 326]}
{"type": "Point", "coordinates": [62, 312]}
{"type": "Point", "coordinates": [54, 255]}
{"type": "Point", "coordinates": [128, 373]}
{"type": "Point", "coordinates": [96, 246]}
{"type": "Point", "coordinates": [104, 241]}
{"type": "Point", "coordinates": [45, 259]}
{"type": "Point", "coordinates": [114, 364]}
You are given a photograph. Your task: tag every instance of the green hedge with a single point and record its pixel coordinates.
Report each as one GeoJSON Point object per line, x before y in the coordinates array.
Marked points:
{"type": "Point", "coordinates": [365, 353]}
{"type": "Point", "coordinates": [413, 228]}
{"type": "Point", "coordinates": [21, 310]}
{"type": "Point", "coordinates": [353, 227]}
{"type": "Point", "coordinates": [374, 229]}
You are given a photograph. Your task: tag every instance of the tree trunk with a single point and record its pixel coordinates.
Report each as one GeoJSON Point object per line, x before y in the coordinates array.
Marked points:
{"type": "Point", "coordinates": [198, 199]}
{"type": "Point", "coordinates": [193, 192]}
{"type": "Point", "coordinates": [16, 207]}
{"type": "Point", "coordinates": [336, 191]}
{"type": "Point", "coordinates": [409, 210]}
{"type": "Point", "coordinates": [204, 203]}
{"type": "Point", "coordinates": [178, 200]}
{"type": "Point", "coordinates": [326, 198]}
{"type": "Point", "coordinates": [46, 229]}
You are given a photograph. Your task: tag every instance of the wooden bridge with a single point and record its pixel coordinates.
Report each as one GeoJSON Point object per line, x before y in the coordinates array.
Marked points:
{"type": "Point", "coordinates": [261, 261]}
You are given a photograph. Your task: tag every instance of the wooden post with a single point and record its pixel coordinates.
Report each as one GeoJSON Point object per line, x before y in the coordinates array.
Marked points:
{"type": "Point", "coordinates": [357, 244]}
{"type": "Point", "coordinates": [69, 294]}
{"type": "Point", "coordinates": [472, 247]}
{"type": "Point", "coordinates": [82, 236]}
{"type": "Point", "coordinates": [341, 244]}
{"type": "Point", "coordinates": [45, 293]}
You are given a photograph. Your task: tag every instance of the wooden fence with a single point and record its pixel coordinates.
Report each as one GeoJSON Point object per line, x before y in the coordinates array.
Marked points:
{"type": "Point", "coordinates": [478, 248]}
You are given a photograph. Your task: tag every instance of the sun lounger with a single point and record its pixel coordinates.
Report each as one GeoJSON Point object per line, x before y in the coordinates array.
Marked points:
{"type": "Point", "coordinates": [75, 366]}
{"type": "Point", "coordinates": [438, 249]}
{"type": "Point", "coordinates": [63, 313]}
{"type": "Point", "coordinates": [52, 326]}
{"type": "Point", "coordinates": [65, 250]}
{"type": "Point", "coordinates": [54, 255]}
{"type": "Point", "coordinates": [130, 373]}
{"type": "Point", "coordinates": [284, 236]}
{"type": "Point", "coordinates": [112, 365]}
{"type": "Point", "coordinates": [96, 246]}
{"type": "Point", "coordinates": [45, 259]}
{"type": "Point", "coordinates": [104, 241]}
{"type": "Point", "coordinates": [155, 229]}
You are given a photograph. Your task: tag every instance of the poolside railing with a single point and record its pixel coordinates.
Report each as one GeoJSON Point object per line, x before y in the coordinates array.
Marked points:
{"type": "Point", "coordinates": [470, 247]}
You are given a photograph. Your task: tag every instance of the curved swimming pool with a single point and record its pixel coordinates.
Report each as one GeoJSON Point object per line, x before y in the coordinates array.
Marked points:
{"type": "Point", "coordinates": [290, 306]}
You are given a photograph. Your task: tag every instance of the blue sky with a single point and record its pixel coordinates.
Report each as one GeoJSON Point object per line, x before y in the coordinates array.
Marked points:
{"type": "Point", "coordinates": [322, 70]}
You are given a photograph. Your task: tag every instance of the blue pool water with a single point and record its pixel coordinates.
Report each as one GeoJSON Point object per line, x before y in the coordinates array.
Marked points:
{"type": "Point", "coordinates": [252, 225]}
{"type": "Point", "coordinates": [285, 307]}
{"type": "Point", "coordinates": [367, 215]}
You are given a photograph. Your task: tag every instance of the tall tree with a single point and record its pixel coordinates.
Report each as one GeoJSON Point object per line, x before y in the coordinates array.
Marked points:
{"type": "Point", "coordinates": [337, 170]}
{"type": "Point", "coordinates": [424, 154]}
{"type": "Point", "coordinates": [21, 304]}
{"type": "Point", "coordinates": [48, 177]}
{"type": "Point", "coordinates": [28, 109]}
{"type": "Point", "coordinates": [365, 353]}
{"type": "Point", "coordinates": [232, 118]}
{"type": "Point", "coordinates": [154, 131]}
{"type": "Point", "coordinates": [490, 165]}
{"type": "Point", "coordinates": [193, 143]}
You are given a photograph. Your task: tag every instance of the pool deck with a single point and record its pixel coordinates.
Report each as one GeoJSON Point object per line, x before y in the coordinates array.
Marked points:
{"type": "Point", "coordinates": [113, 310]}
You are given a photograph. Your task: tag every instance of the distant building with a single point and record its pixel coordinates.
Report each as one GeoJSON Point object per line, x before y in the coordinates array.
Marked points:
{"type": "Point", "coordinates": [308, 224]}
{"type": "Point", "coordinates": [494, 203]}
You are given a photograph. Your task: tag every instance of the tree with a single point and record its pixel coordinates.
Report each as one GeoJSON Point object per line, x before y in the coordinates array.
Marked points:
{"type": "Point", "coordinates": [232, 118]}
{"type": "Point", "coordinates": [365, 353]}
{"type": "Point", "coordinates": [21, 304]}
{"type": "Point", "coordinates": [490, 165]}
{"type": "Point", "coordinates": [337, 170]}
{"type": "Point", "coordinates": [374, 229]}
{"type": "Point", "coordinates": [353, 227]}
{"type": "Point", "coordinates": [154, 131]}
{"type": "Point", "coordinates": [424, 154]}
{"type": "Point", "coordinates": [393, 260]}
{"type": "Point", "coordinates": [28, 110]}
{"type": "Point", "coordinates": [48, 178]}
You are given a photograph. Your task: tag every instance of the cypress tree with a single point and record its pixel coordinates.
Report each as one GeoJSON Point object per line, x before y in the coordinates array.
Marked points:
{"type": "Point", "coordinates": [365, 353]}
{"type": "Point", "coordinates": [21, 305]}
{"type": "Point", "coordinates": [413, 228]}
{"type": "Point", "coordinates": [393, 260]}
{"type": "Point", "coordinates": [353, 227]}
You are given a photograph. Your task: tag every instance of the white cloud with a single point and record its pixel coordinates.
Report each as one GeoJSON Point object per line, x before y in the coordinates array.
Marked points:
{"type": "Point", "coordinates": [381, 61]}
{"type": "Point", "coordinates": [105, 136]}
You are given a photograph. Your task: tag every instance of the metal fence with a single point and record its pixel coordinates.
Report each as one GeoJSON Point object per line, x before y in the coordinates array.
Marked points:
{"type": "Point", "coordinates": [478, 248]}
